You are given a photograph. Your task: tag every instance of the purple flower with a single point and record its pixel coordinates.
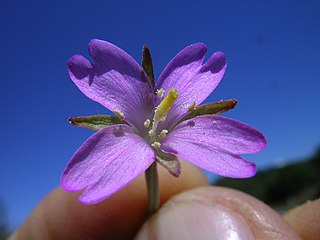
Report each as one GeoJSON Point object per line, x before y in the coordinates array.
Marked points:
{"type": "Point", "coordinates": [153, 121]}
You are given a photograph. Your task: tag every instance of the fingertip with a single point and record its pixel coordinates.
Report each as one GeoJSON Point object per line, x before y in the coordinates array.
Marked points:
{"type": "Point", "coordinates": [305, 220]}
{"type": "Point", "coordinates": [216, 213]}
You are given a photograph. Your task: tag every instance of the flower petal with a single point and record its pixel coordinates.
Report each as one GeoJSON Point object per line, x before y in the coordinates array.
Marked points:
{"type": "Point", "coordinates": [115, 80]}
{"type": "Point", "coordinates": [214, 143]}
{"type": "Point", "coordinates": [106, 162]}
{"type": "Point", "coordinates": [193, 80]}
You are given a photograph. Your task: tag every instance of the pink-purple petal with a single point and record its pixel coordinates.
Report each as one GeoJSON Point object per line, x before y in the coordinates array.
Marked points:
{"type": "Point", "coordinates": [186, 62]}
{"type": "Point", "coordinates": [106, 162]}
{"type": "Point", "coordinates": [215, 143]}
{"type": "Point", "coordinates": [115, 80]}
{"type": "Point", "coordinates": [194, 80]}
{"type": "Point", "coordinates": [214, 160]}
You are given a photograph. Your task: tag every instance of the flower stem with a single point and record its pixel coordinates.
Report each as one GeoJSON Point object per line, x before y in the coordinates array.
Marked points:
{"type": "Point", "coordinates": [153, 187]}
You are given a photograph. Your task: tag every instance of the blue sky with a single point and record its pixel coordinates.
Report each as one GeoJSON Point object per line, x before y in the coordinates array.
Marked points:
{"type": "Point", "coordinates": [273, 70]}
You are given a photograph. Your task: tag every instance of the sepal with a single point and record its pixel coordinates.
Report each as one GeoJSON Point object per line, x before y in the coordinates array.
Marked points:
{"type": "Point", "coordinates": [210, 108]}
{"type": "Point", "coordinates": [147, 64]}
{"type": "Point", "coordinates": [95, 122]}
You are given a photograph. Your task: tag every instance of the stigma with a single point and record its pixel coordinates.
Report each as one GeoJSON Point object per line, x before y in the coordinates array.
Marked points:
{"type": "Point", "coordinates": [164, 107]}
{"type": "Point", "coordinates": [160, 115]}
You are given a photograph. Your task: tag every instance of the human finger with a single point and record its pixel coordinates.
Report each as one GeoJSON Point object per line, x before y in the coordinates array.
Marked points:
{"type": "Point", "coordinates": [305, 220]}
{"type": "Point", "coordinates": [216, 213]}
{"type": "Point", "coordinates": [61, 216]}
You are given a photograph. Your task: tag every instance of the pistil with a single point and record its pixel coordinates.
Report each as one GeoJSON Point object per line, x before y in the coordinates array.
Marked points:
{"type": "Point", "coordinates": [164, 107]}
{"type": "Point", "coordinates": [160, 114]}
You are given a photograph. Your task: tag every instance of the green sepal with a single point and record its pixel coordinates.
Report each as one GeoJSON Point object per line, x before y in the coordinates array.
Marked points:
{"type": "Point", "coordinates": [169, 161]}
{"type": "Point", "coordinates": [147, 64]}
{"type": "Point", "coordinates": [95, 122]}
{"type": "Point", "coordinates": [210, 108]}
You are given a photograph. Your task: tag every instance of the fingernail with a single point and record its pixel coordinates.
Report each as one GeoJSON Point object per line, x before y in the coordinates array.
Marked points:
{"type": "Point", "coordinates": [196, 220]}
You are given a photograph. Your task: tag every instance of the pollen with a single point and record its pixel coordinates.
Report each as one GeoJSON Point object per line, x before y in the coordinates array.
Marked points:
{"type": "Point", "coordinates": [119, 114]}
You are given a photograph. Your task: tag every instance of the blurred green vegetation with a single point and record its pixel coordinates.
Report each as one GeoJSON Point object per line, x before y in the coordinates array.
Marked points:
{"type": "Point", "coordinates": [284, 187]}
{"type": "Point", "coordinates": [4, 232]}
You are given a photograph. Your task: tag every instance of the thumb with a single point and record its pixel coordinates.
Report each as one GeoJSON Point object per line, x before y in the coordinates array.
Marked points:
{"type": "Point", "coordinates": [215, 213]}
{"type": "Point", "coordinates": [305, 220]}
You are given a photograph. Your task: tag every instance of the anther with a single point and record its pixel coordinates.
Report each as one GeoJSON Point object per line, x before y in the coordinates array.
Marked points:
{"type": "Point", "coordinates": [119, 114]}
{"type": "Point", "coordinates": [151, 133]}
{"type": "Point", "coordinates": [156, 145]}
{"type": "Point", "coordinates": [160, 92]}
{"type": "Point", "coordinates": [147, 123]}
{"type": "Point", "coordinates": [163, 133]}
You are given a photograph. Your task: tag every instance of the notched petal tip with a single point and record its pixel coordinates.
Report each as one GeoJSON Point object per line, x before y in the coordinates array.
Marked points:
{"type": "Point", "coordinates": [97, 46]}
{"type": "Point", "coordinates": [247, 171]}
{"type": "Point", "coordinates": [79, 66]}
{"type": "Point", "coordinates": [85, 202]}
{"type": "Point", "coordinates": [216, 63]}
{"type": "Point", "coordinates": [102, 50]}
{"type": "Point", "coordinates": [250, 171]}
{"type": "Point", "coordinates": [96, 43]}
{"type": "Point", "coordinates": [192, 52]}
{"type": "Point", "coordinates": [198, 46]}
{"type": "Point", "coordinates": [99, 49]}
{"type": "Point", "coordinates": [262, 140]}
{"type": "Point", "coordinates": [88, 201]}
{"type": "Point", "coordinates": [66, 185]}
{"type": "Point", "coordinates": [258, 140]}
{"type": "Point", "coordinates": [241, 168]}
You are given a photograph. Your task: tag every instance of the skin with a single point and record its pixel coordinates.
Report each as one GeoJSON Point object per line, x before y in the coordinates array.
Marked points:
{"type": "Point", "coordinates": [190, 210]}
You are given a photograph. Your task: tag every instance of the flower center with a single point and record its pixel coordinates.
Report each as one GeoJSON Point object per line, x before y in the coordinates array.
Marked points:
{"type": "Point", "coordinates": [160, 115]}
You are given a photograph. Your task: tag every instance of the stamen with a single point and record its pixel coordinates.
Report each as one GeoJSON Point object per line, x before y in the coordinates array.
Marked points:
{"type": "Point", "coordinates": [192, 107]}
{"type": "Point", "coordinates": [156, 145]}
{"type": "Point", "coordinates": [163, 133]}
{"type": "Point", "coordinates": [164, 107]}
{"type": "Point", "coordinates": [160, 92]}
{"type": "Point", "coordinates": [151, 133]}
{"type": "Point", "coordinates": [119, 114]}
{"type": "Point", "coordinates": [147, 123]}
{"type": "Point", "coordinates": [163, 119]}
